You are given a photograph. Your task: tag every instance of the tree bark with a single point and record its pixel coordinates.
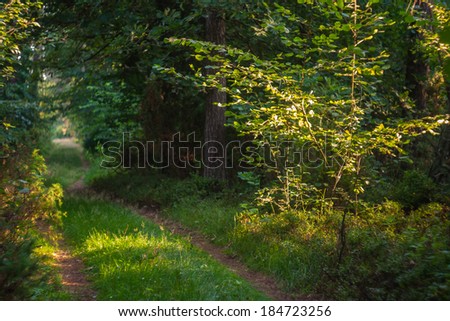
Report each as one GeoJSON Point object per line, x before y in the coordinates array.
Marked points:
{"type": "Point", "coordinates": [214, 132]}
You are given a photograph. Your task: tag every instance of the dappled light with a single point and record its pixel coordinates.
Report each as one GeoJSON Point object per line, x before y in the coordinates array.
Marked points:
{"type": "Point", "coordinates": [132, 259]}
{"type": "Point", "coordinates": [224, 150]}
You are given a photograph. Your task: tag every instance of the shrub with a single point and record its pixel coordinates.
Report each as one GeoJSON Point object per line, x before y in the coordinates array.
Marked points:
{"type": "Point", "coordinates": [294, 246]}
{"type": "Point", "coordinates": [394, 256]}
{"type": "Point", "coordinates": [25, 199]}
{"type": "Point", "coordinates": [389, 255]}
{"type": "Point", "coordinates": [414, 189]}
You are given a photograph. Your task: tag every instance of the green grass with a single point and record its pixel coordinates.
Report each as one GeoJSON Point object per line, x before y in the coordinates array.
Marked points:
{"type": "Point", "coordinates": [191, 201]}
{"type": "Point", "coordinates": [63, 164]}
{"type": "Point", "coordinates": [50, 288]}
{"type": "Point", "coordinates": [299, 249]}
{"type": "Point", "coordinates": [195, 204]}
{"type": "Point", "coordinates": [214, 218]}
{"type": "Point", "coordinates": [215, 215]}
{"type": "Point", "coordinates": [390, 255]}
{"type": "Point", "coordinates": [130, 258]}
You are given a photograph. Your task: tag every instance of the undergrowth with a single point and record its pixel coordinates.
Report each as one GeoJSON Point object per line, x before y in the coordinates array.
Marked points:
{"type": "Point", "coordinates": [195, 201]}
{"type": "Point", "coordinates": [26, 198]}
{"type": "Point", "coordinates": [392, 251]}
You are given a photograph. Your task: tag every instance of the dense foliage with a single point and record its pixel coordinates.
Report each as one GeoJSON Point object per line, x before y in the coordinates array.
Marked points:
{"type": "Point", "coordinates": [24, 198]}
{"type": "Point", "coordinates": [341, 109]}
{"type": "Point", "coordinates": [330, 118]}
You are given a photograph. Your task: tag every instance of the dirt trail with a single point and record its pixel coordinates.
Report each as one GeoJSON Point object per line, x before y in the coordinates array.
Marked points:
{"type": "Point", "coordinates": [260, 281]}
{"type": "Point", "coordinates": [72, 268]}
{"type": "Point", "coordinates": [73, 275]}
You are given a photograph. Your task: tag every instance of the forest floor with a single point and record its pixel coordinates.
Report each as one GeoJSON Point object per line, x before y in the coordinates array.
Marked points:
{"type": "Point", "coordinates": [73, 270]}
{"type": "Point", "coordinates": [70, 267]}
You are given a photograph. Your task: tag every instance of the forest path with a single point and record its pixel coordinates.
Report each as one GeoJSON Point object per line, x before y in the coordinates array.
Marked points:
{"type": "Point", "coordinates": [72, 268]}
{"type": "Point", "coordinates": [260, 281]}
{"type": "Point", "coordinates": [73, 274]}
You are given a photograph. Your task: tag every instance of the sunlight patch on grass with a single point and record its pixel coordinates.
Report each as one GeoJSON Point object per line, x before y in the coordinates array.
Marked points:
{"type": "Point", "coordinates": [50, 289]}
{"type": "Point", "coordinates": [189, 201]}
{"type": "Point", "coordinates": [130, 258]}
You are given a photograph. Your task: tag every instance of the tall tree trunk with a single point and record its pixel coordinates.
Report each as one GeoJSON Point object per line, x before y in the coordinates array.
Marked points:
{"type": "Point", "coordinates": [214, 134]}
{"type": "Point", "coordinates": [417, 74]}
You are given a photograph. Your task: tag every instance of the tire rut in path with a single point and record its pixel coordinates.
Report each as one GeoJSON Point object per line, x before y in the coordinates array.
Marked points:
{"type": "Point", "coordinates": [260, 281]}
{"type": "Point", "coordinates": [72, 268]}
{"type": "Point", "coordinates": [73, 274]}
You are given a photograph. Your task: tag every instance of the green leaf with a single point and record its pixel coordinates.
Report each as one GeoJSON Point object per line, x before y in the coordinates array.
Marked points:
{"type": "Point", "coordinates": [346, 27]}
{"type": "Point", "coordinates": [444, 35]}
{"type": "Point", "coordinates": [409, 19]}
{"type": "Point", "coordinates": [199, 57]}
{"type": "Point", "coordinates": [8, 125]}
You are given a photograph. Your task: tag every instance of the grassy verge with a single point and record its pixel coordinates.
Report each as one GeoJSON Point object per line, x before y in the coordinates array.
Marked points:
{"type": "Point", "coordinates": [132, 259]}
{"type": "Point", "coordinates": [390, 253]}
{"type": "Point", "coordinates": [195, 202]}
